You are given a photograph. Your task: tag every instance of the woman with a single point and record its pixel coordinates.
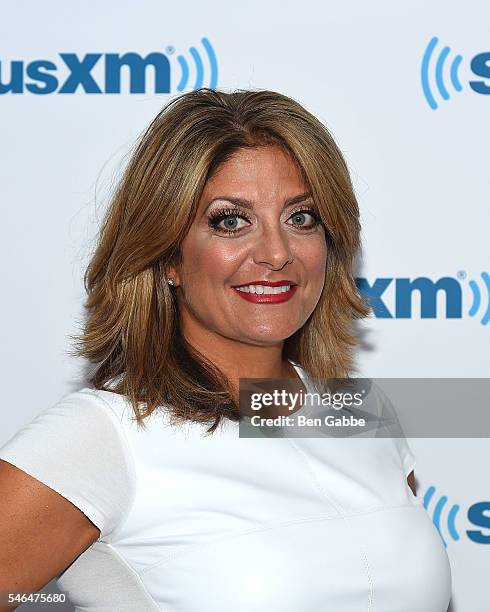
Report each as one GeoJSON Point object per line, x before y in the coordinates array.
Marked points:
{"type": "Point", "coordinates": [137, 491]}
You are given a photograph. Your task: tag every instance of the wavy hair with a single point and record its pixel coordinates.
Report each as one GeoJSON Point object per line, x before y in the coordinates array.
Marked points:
{"type": "Point", "coordinates": [132, 333]}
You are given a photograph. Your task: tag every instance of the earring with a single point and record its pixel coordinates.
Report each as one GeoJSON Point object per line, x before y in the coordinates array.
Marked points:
{"type": "Point", "coordinates": [170, 281]}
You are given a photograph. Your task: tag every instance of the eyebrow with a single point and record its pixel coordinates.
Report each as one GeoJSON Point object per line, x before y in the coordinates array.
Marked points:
{"type": "Point", "coordinates": [247, 204]}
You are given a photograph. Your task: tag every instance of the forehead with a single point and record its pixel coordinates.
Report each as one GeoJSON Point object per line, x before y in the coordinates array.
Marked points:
{"type": "Point", "coordinates": [263, 169]}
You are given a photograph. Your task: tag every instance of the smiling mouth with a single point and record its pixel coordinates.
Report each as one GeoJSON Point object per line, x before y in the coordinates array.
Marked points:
{"type": "Point", "coordinates": [271, 288]}
{"type": "Point", "coordinates": [266, 294]}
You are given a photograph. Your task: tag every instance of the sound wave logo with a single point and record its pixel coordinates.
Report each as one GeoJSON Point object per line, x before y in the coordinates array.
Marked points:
{"type": "Point", "coordinates": [475, 306]}
{"type": "Point", "coordinates": [198, 67]}
{"type": "Point", "coordinates": [477, 515]}
{"type": "Point", "coordinates": [450, 519]}
{"type": "Point", "coordinates": [439, 72]}
{"type": "Point", "coordinates": [462, 296]}
{"type": "Point", "coordinates": [74, 73]}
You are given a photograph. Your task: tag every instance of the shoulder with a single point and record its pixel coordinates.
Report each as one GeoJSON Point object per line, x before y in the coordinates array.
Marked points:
{"type": "Point", "coordinates": [387, 412]}
{"type": "Point", "coordinates": [77, 446]}
{"type": "Point", "coordinates": [78, 418]}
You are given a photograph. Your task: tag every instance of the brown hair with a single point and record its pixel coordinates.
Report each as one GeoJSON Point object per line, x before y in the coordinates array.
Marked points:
{"type": "Point", "coordinates": [132, 331]}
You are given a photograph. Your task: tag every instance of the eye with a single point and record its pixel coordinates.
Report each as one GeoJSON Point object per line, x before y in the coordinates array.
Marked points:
{"type": "Point", "coordinates": [225, 220]}
{"type": "Point", "coordinates": [299, 217]}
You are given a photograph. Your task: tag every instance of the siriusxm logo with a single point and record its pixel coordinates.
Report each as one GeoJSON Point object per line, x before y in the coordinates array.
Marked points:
{"type": "Point", "coordinates": [478, 515]}
{"type": "Point", "coordinates": [42, 76]}
{"type": "Point", "coordinates": [428, 289]}
{"type": "Point", "coordinates": [435, 62]}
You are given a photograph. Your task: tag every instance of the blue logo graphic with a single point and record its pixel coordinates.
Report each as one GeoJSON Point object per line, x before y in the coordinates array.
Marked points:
{"type": "Point", "coordinates": [439, 73]}
{"type": "Point", "coordinates": [478, 515]}
{"type": "Point", "coordinates": [427, 289]}
{"type": "Point", "coordinates": [437, 511]}
{"type": "Point", "coordinates": [199, 67]}
{"type": "Point", "coordinates": [446, 75]}
{"type": "Point", "coordinates": [41, 76]}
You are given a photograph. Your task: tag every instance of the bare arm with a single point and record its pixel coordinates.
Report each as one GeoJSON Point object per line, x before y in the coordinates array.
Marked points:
{"type": "Point", "coordinates": [411, 482]}
{"type": "Point", "coordinates": [41, 533]}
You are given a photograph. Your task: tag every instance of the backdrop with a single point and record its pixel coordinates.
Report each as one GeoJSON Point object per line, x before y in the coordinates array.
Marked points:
{"type": "Point", "coordinates": [404, 89]}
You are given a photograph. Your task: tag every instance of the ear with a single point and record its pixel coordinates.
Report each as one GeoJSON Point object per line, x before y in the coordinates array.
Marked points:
{"type": "Point", "coordinates": [173, 274]}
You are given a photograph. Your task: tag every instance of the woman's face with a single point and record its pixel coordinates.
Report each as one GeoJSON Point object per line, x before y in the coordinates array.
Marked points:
{"type": "Point", "coordinates": [231, 244]}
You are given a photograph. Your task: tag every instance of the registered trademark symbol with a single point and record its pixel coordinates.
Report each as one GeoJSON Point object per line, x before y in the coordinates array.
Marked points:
{"type": "Point", "coordinates": [461, 274]}
{"type": "Point", "coordinates": [170, 49]}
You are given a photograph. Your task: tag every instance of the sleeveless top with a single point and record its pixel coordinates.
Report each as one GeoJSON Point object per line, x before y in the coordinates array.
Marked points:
{"type": "Point", "coordinates": [221, 523]}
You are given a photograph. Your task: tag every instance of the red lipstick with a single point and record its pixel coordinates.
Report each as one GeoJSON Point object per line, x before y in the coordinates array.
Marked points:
{"type": "Point", "coordinates": [267, 298]}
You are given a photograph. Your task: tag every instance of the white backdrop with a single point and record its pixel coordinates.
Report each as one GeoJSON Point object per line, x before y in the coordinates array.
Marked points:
{"type": "Point", "coordinates": [420, 173]}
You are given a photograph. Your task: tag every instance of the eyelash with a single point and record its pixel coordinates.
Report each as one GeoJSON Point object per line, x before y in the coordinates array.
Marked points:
{"type": "Point", "coordinates": [217, 216]}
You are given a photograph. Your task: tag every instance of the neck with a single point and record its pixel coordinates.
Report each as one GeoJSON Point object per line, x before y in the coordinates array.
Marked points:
{"type": "Point", "coordinates": [241, 360]}
{"type": "Point", "coordinates": [238, 360]}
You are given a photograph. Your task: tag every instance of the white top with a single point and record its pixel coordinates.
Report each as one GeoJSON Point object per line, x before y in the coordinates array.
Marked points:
{"type": "Point", "coordinates": [194, 523]}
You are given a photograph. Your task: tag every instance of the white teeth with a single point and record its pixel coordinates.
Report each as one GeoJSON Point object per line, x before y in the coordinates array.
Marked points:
{"type": "Point", "coordinates": [263, 289]}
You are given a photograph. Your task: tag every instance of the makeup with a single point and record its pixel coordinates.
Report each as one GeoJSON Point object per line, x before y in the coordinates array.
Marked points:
{"type": "Point", "coordinates": [266, 293]}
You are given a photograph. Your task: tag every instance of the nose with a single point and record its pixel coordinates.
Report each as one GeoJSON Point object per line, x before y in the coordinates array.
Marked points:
{"type": "Point", "coordinates": [273, 247]}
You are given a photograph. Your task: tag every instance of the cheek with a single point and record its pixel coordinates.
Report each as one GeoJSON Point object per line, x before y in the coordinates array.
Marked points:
{"type": "Point", "coordinates": [315, 258]}
{"type": "Point", "coordinates": [207, 259]}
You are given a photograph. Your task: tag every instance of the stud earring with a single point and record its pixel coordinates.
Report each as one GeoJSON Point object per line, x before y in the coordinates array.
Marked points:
{"type": "Point", "coordinates": [171, 282]}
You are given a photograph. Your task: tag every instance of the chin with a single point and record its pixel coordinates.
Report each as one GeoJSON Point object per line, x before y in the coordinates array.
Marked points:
{"type": "Point", "coordinates": [269, 335]}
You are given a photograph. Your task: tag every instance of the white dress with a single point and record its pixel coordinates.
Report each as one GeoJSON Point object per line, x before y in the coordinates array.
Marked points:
{"type": "Point", "coordinates": [222, 523]}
